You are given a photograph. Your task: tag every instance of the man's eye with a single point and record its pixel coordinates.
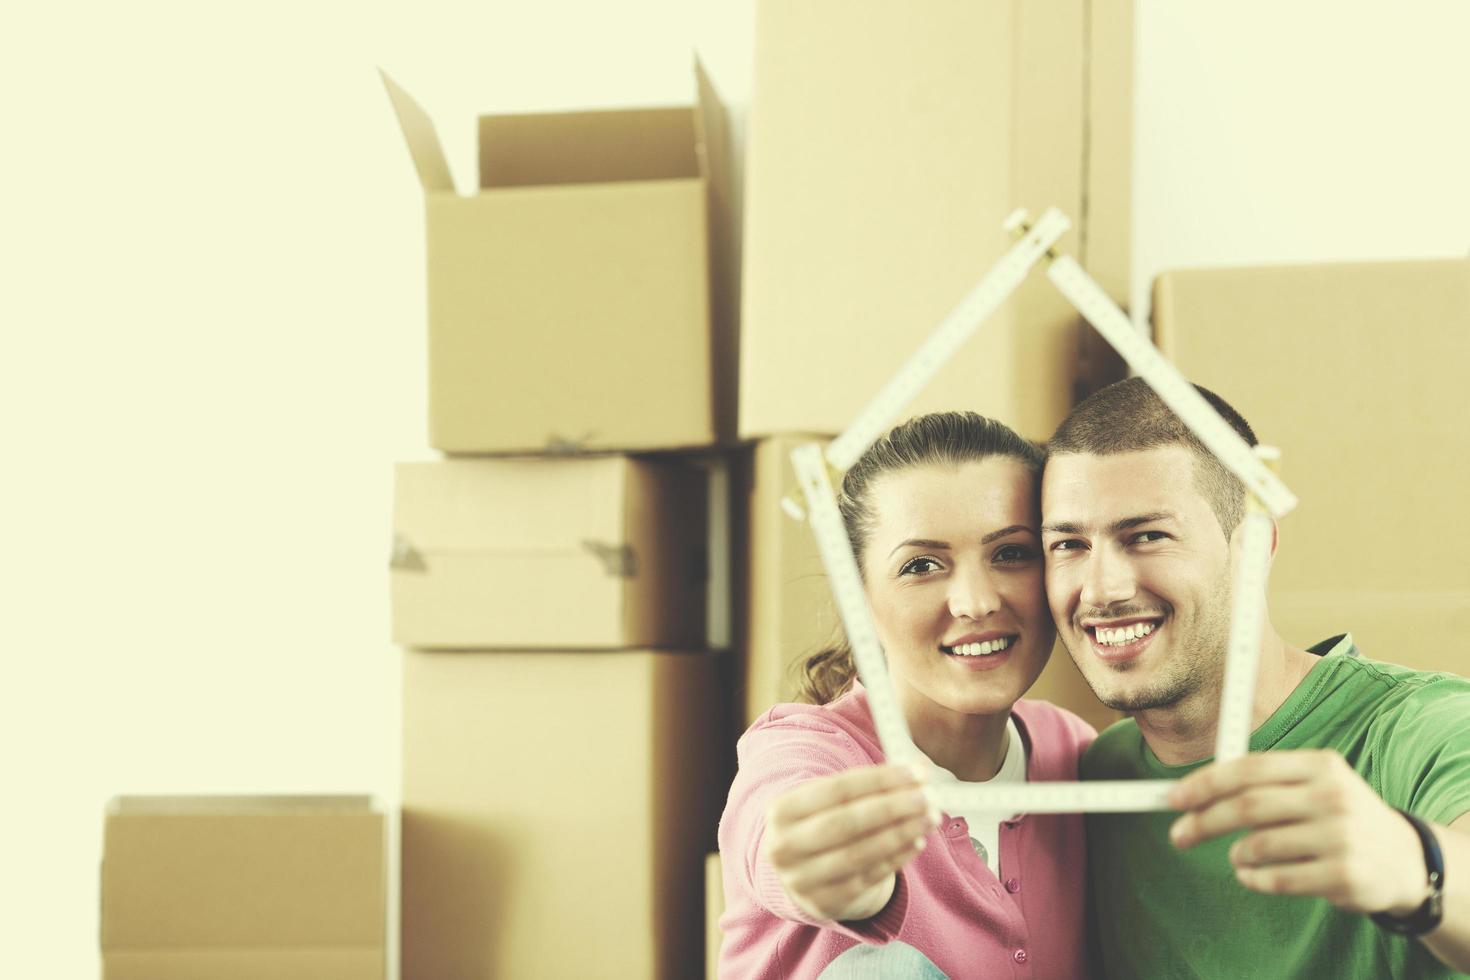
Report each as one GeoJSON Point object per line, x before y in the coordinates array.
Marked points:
{"type": "Point", "coordinates": [1070, 544]}
{"type": "Point", "coordinates": [919, 566]}
{"type": "Point", "coordinates": [1146, 537]}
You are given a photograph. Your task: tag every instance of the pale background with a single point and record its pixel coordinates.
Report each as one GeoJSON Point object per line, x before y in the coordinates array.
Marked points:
{"type": "Point", "coordinates": [212, 303]}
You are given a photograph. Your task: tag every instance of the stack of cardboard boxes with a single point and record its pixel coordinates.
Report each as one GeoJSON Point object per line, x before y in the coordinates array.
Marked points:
{"type": "Point", "coordinates": [562, 722]}
{"type": "Point", "coordinates": [879, 168]}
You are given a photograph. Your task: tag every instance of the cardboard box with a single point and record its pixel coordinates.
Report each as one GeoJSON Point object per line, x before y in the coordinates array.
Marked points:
{"type": "Point", "coordinates": [787, 607]}
{"type": "Point", "coordinates": [236, 888]}
{"type": "Point", "coordinates": [1355, 372]}
{"type": "Point", "coordinates": [787, 611]}
{"type": "Point", "coordinates": [880, 165]}
{"type": "Point", "coordinates": [578, 552]}
{"type": "Point", "coordinates": [569, 296]}
{"type": "Point", "coordinates": [714, 907]}
{"type": "Point", "coordinates": [558, 808]}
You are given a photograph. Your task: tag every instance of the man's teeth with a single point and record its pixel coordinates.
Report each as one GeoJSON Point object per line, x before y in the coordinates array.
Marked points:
{"type": "Point", "coordinates": [1127, 634]}
{"type": "Point", "coordinates": [983, 649]}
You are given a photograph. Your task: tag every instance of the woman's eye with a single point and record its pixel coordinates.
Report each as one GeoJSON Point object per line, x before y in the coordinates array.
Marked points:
{"type": "Point", "coordinates": [1013, 553]}
{"type": "Point", "coordinates": [919, 566]}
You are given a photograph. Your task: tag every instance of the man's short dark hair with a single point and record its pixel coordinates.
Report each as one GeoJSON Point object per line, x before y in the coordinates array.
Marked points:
{"type": "Point", "coordinates": [1128, 417]}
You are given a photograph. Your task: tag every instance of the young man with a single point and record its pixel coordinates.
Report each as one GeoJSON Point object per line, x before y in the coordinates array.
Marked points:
{"type": "Point", "coordinates": [1301, 859]}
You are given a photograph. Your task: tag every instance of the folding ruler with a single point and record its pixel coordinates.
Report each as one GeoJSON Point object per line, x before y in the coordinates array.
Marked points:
{"type": "Point", "coordinates": [1268, 497]}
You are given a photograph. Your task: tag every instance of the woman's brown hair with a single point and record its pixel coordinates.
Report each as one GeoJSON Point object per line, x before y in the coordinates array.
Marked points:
{"type": "Point", "coordinates": [943, 438]}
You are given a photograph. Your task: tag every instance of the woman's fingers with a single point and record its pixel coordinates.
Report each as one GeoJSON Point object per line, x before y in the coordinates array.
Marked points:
{"type": "Point", "coordinates": [873, 854]}
{"type": "Point", "coordinates": [863, 893]}
{"type": "Point", "coordinates": [817, 795]}
{"type": "Point", "coordinates": [844, 823]}
{"type": "Point", "coordinates": [835, 842]}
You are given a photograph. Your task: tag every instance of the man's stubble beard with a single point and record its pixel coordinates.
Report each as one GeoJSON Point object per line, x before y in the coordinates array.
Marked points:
{"type": "Point", "coordinates": [1195, 670]}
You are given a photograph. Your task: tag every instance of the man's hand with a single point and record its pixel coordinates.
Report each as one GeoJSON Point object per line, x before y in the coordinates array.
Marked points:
{"type": "Point", "coordinates": [836, 842]}
{"type": "Point", "coordinates": [1314, 828]}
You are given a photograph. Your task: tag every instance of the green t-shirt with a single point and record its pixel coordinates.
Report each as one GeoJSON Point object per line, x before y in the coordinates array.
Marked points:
{"type": "Point", "coordinates": [1161, 912]}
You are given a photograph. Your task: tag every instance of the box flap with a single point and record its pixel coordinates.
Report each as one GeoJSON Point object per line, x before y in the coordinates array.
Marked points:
{"type": "Point", "coordinates": [242, 873]}
{"type": "Point", "coordinates": [276, 963]}
{"type": "Point", "coordinates": [504, 506]}
{"type": "Point", "coordinates": [719, 162]}
{"type": "Point", "coordinates": [587, 147]}
{"type": "Point", "coordinates": [423, 141]}
{"type": "Point", "coordinates": [255, 804]}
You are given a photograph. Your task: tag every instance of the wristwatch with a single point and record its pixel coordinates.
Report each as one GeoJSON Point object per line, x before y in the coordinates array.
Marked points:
{"type": "Point", "coordinates": [1426, 917]}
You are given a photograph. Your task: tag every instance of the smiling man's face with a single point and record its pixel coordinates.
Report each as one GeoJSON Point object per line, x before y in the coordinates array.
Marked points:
{"type": "Point", "coordinates": [1137, 575]}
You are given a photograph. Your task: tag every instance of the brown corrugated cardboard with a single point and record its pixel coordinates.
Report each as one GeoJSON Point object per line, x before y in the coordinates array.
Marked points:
{"type": "Point", "coordinates": [714, 907]}
{"type": "Point", "coordinates": [788, 613]}
{"type": "Point", "coordinates": [558, 808]}
{"type": "Point", "coordinates": [1355, 371]}
{"type": "Point", "coordinates": [224, 888]}
{"type": "Point", "coordinates": [1105, 245]}
{"type": "Point", "coordinates": [880, 166]}
{"type": "Point", "coordinates": [568, 298]}
{"type": "Point", "coordinates": [719, 152]}
{"type": "Point", "coordinates": [602, 551]}
{"type": "Point", "coordinates": [788, 608]}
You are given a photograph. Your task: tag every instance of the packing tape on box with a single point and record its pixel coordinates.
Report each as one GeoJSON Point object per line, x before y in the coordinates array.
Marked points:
{"type": "Point", "coordinates": [405, 557]}
{"type": "Point", "coordinates": [816, 469]}
{"type": "Point", "coordinates": [617, 560]}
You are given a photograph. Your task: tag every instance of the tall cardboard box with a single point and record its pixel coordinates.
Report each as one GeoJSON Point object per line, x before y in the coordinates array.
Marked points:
{"type": "Point", "coordinates": [569, 296]}
{"type": "Point", "coordinates": [1356, 371]}
{"type": "Point", "coordinates": [579, 552]}
{"type": "Point", "coordinates": [787, 611]}
{"type": "Point", "coordinates": [786, 607]}
{"type": "Point", "coordinates": [238, 888]}
{"type": "Point", "coordinates": [558, 808]}
{"type": "Point", "coordinates": [881, 161]}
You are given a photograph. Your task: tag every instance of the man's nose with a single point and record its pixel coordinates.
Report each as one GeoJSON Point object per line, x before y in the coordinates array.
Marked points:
{"type": "Point", "coordinates": [1109, 579]}
{"type": "Point", "coordinates": [972, 594]}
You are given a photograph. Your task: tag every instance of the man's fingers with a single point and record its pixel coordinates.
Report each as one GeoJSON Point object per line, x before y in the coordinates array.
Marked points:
{"type": "Point", "coordinates": [843, 824]}
{"type": "Point", "coordinates": [1222, 779]}
{"type": "Point", "coordinates": [872, 853]}
{"type": "Point", "coordinates": [817, 795]}
{"type": "Point", "coordinates": [1291, 843]}
{"type": "Point", "coordinates": [1257, 807]}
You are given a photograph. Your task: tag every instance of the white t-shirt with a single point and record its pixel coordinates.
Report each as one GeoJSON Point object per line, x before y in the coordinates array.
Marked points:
{"type": "Point", "coordinates": [985, 825]}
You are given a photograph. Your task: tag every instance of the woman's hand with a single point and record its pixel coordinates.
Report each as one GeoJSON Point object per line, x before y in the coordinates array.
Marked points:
{"type": "Point", "coordinates": [837, 841]}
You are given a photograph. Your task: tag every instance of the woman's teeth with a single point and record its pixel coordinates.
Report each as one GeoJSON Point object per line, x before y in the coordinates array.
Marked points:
{"type": "Point", "coordinates": [1125, 635]}
{"type": "Point", "coordinates": [983, 649]}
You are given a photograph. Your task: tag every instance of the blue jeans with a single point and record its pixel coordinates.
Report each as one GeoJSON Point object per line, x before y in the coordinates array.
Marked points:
{"type": "Point", "coordinates": [893, 961]}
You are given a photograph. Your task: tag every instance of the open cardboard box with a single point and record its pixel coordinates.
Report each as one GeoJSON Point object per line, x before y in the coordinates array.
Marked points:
{"type": "Point", "coordinates": [243, 887]}
{"type": "Point", "coordinates": [569, 295]}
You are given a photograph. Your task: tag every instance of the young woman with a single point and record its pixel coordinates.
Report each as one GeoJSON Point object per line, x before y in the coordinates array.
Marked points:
{"type": "Point", "coordinates": [834, 864]}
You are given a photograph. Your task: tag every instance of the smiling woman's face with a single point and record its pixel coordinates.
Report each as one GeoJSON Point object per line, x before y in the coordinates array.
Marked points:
{"type": "Point", "coordinates": [953, 572]}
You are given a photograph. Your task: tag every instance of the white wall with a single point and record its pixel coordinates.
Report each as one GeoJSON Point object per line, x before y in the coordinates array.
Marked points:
{"type": "Point", "coordinates": [1304, 130]}
{"type": "Point", "coordinates": [213, 319]}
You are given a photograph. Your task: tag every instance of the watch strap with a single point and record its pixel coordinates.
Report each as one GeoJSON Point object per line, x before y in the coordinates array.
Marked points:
{"type": "Point", "coordinates": [1426, 917]}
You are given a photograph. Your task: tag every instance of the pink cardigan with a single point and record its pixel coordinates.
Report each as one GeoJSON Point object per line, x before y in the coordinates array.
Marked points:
{"type": "Point", "coordinates": [947, 903]}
